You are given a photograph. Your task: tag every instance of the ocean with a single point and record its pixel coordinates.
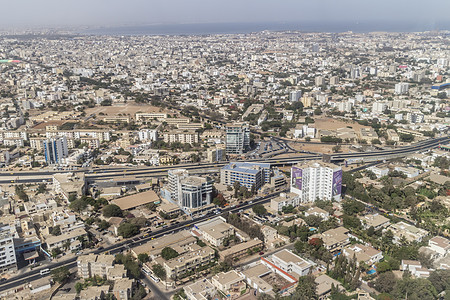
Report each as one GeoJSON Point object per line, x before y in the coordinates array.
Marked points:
{"type": "Point", "coordinates": [239, 28]}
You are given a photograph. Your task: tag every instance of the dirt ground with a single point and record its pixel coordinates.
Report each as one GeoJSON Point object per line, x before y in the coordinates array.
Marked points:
{"type": "Point", "coordinates": [129, 109]}
{"type": "Point", "coordinates": [318, 148]}
{"type": "Point", "coordinates": [333, 124]}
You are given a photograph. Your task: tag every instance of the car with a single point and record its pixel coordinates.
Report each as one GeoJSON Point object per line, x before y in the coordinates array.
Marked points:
{"type": "Point", "coordinates": [261, 253]}
{"type": "Point", "coordinates": [3, 279]}
{"type": "Point", "coordinates": [101, 248]}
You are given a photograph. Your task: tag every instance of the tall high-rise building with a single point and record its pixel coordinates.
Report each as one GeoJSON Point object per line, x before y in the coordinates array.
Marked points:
{"type": "Point", "coordinates": [294, 96]}
{"type": "Point", "coordinates": [55, 150]}
{"type": "Point", "coordinates": [316, 180]}
{"type": "Point", "coordinates": [7, 253]}
{"type": "Point", "coordinates": [189, 191]}
{"type": "Point", "coordinates": [334, 80]}
{"type": "Point", "coordinates": [319, 81]}
{"type": "Point", "coordinates": [195, 192]}
{"type": "Point", "coordinates": [174, 186]}
{"type": "Point", "coordinates": [401, 88]}
{"type": "Point", "coordinates": [238, 138]}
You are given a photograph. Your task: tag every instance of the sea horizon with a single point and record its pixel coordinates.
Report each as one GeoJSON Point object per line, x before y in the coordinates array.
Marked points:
{"type": "Point", "coordinates": [245, 28]}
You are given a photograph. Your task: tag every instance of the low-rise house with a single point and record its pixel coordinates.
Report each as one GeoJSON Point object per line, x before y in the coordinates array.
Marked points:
{"type": "Point", "coordinates": [410, 233]}
{"type": "Point", "coordinates": [408, 171]}
{"type": "Point", "coordinates": [415, 267]}
{"type": "Point", "coordinates": [440, 245]}
{"type": "Point", "coordinates": [376, 220]}
{"type": "Point", "coordinates": [365, 254]}
{"type": "Point", "coordinates": [316, 211]}
{"type": "Point", "coordinates": [255, 276]}
{"type": "Point", "coordinates": [324, 284]}
{"type": "Point", "coordinates": [123, 289]}
{"type": "Point", "coordinates": [94, 293]}
{"type": "Point", "coordinates": [288, 262]}
{"type": "Point", "coordinates": [200, 290]}
{"type": "Point", "coordinates": [230, 283]}
{"type": "Point", "coordinates": [333, 239]}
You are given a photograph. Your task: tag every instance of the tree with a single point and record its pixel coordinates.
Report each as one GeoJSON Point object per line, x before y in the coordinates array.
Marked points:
{"type": "Point", "coordinates": [416, 289]}
{"type": "Point", "coordinates": [169, 253]}
{"type": "Point", "coordinates": [56, 230]}
{"type": "Point", "coordinates": [112, 210]}
{"type": "Point", "coordinates": [236, 186]}
{"type": "Point", "coordinates": [352, 207]}
{"type": "Point", "coordinates": [127, 230]}
{"type": "Point", "coordinates": [78, 287]}
{"type": "Point", "coordinates": [56, 252]}
{"type": "Point", "coordinates": [336, 148]}
{"type": "Point", "coordinates": [60, 274]}
{"type": "Point", "coordinates": [385, 282]}
{"type": "Point", "coordinates": [103, 225]}
{"type": "Point", "coordinates": [143, 257]}
{"type": "Point", "coordinates": [159, 271]}
{"type": "Point", "coordinates": [78, 205]}
{"type": "Point", "coordinates": [440, 279]}
{"type": "Point", "coordinates": [306, 289]}
{"type": "Point", "coordinates": [42, 188]}
{"type": "Point", "coordinates": [259, 209]}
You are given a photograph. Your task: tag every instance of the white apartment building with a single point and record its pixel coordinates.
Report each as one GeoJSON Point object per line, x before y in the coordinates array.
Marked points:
{"type": "Point", "coordinates": [7, 253]}
{"type": "Point", "coordinates": [401, 88]}
{"type": "Point", "coordinates": [316, 180]}
{"type": "Point", "coordinates": [148, 135]}
{"type": "Point", "coordinates": [288, 262]}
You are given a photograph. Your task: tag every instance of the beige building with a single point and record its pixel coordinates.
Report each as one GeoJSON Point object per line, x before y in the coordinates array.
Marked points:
{"type": "Point", "coordinates": [181, 136]}
{"type": "Point", "coordinates": [193, 257]}
{"type": "Point", "coordinates": [334, 239]}
{"type": "Point", "coordinates": [99, 265]}
{"type": "Point", "coordinates": [123, 289]}
{"type": "Point", "coordinates": [215, 231]}
{"type": "Point", "coordinates": [230, 283]}
{"type": "Point", "coordinates": [241, 250]}
{"type": "Point", "coordinates": [71, 238]}
{"type": "Point", "coordinates": [200, 290]}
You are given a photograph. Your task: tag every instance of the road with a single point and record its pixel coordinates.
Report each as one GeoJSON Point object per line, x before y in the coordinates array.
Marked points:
{"type": "Point", "coordinates": [127, 244]}
{"type": "Point", "coordinates": [93, 174]}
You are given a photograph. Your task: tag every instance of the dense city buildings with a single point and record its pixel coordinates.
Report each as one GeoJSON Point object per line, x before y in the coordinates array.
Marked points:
{"type": "Point", "coordinates": [269, 164]}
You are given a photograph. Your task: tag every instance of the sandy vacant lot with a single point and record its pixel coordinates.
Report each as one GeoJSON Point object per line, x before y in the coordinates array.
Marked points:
{"type": "Point", "coordinates": [129, 109]}
{"type": "Point", "coordinates": [333, 124]}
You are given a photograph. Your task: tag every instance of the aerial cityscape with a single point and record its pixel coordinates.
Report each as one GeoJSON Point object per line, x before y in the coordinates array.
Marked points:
{"type": "Point", "coordinates": [259, 165]}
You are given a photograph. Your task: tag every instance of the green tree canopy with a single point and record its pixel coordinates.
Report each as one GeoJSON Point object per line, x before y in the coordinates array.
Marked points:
{"type": "Point", "coordinates": [259, 209]}
{"type": "Point", "coordinates": [169, 253]}
{"type": "Point", "coordinates": [127, 230]}
{"type": "Point", "coordinates": [112, 210]}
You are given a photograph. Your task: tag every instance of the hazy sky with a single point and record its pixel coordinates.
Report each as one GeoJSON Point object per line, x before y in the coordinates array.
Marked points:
{"type": "Point", "coordinates": [137, 12]}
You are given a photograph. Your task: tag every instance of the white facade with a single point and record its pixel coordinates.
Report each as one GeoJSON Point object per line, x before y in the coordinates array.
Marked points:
{"type": "Point", "coordinates": [401, 88]}
{"type": "Point", "coordinates": [317, 180]}
{"type": "Point", "coordinates": [7, 254]}
{"type": "Point", "coordinates": [55, 150]}
{"type": "Point", "coordinates": [148, 135]}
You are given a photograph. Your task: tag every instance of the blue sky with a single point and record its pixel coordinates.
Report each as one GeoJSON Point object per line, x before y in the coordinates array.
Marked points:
{"type": "Point", "coordinates": [140, 12]}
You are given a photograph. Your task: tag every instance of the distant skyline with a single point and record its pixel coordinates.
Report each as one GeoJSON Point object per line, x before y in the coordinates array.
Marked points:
{"type": "Point", "coordinates": [109, 13]}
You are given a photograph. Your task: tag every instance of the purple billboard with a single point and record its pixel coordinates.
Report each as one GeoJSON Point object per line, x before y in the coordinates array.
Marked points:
{"type": "Point", "coordinates": [337, 182]}
{"type": "Point", "coordinates": [297, 177]}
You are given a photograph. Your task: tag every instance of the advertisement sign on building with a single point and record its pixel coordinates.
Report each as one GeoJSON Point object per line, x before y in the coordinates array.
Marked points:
{"type": "Point", "coordinates": [337, 182]}
{"type": "Point", "coordinates": [297, 177]}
